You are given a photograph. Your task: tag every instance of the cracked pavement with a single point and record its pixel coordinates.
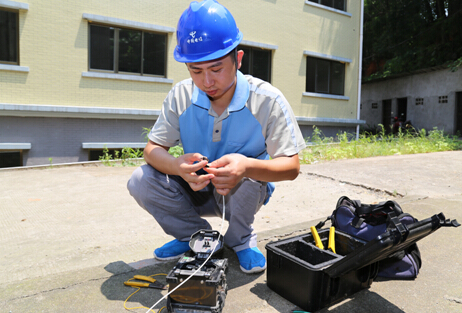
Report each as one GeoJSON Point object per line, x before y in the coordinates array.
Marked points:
{"type": "Point", "coordinates": [71, 235]}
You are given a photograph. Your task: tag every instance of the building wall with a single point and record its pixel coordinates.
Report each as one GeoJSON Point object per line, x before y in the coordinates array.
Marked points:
{"type": "Point", "coordinates": [429, 86]}
{"type": "Point", "coordinates": [54, 45]}
{"type": "Point", "coordinates": [54, 39]}
{"type": "Point", "coordinates": [294, 27]}
{"type": "Point", "coordinates": [61, 139]}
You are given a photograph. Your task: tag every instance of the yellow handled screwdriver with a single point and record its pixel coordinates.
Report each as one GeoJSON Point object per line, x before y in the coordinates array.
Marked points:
{"type": "Point", "coordinates": [317, 240]}
{"type": "Point", "coordinates": [331, 244]}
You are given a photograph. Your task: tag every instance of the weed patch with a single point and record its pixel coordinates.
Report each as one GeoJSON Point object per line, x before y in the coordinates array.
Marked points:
{"type": "Point", "coordinates": [345, 146]}
{"type": "Point", "coordinates": [127, 156]}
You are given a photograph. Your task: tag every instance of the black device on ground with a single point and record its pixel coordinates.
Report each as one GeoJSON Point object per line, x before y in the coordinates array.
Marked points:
{"type": "Point", "coordinates": [205, 291]}
{"type": "Point", "coordinates": [313, 278]}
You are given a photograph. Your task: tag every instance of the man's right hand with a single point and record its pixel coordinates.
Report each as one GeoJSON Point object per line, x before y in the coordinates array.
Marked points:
{"type": "Point", "coordinates": [185, 165]}
{"type": "Point", "coordinates": [187, 169]}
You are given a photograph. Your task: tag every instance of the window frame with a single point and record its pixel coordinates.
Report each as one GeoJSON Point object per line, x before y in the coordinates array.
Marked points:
{"type": "Point", "coordinates": [14, 148]}
{"type": "Point", "coordinates": [117, 29]}
{"type": "Point", "coordinates": [330, 80]}
{"type": "Point", "coordinates": [319, 2]}
{"type": "Point", "coordinates": [318, 55]}
{"type": "Point", "coordinates": [252, 48]}
{"type": "Point", "coordinates": [332, 9]}
{"type": "Point", "coordinates": [16, 11]}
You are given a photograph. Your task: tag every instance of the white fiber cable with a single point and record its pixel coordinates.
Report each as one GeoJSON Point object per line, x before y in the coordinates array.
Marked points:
{"type": "Point", "coordinates": [213, 251]}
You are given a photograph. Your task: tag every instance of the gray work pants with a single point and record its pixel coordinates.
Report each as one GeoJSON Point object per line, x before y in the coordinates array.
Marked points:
{"type": "Point", "coordinates": [179, 210]}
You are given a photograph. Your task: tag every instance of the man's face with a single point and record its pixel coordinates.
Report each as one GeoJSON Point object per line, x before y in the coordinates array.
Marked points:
{"type": "Point", "coordinates": [217, 77]}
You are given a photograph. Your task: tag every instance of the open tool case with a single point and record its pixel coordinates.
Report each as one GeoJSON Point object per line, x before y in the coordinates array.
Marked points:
{"type": "Point", "coordinates": [312, 278]}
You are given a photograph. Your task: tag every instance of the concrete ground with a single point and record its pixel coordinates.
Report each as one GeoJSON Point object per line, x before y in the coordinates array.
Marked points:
{"type": "Point", "coordinates": [71, 235]}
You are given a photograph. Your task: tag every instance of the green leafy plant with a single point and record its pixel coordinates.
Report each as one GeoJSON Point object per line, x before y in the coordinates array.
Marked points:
{"type": "Point", "coordinates": [146, 131]}
{"type": "Point", "coordinates": [454, 66]}
{"type": "Point", "coordinates": [131, 157]}
{"type": "Point", "coordinates": [106, 157]}
{"type": "Point", "coordinates": [127, 157]}
{"type": "Point", "coordinates": [176, 151]}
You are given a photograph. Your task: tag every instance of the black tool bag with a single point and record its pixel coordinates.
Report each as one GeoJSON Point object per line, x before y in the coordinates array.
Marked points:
{"type": "Point", "coordinates": [367, 221]}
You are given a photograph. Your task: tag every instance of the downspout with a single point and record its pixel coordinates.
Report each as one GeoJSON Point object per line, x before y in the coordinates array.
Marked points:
{"type": "Point", "coordinates": [358, 114]}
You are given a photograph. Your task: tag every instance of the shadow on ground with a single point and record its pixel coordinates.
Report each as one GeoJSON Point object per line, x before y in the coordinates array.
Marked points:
{"type": "Point", "coordinates": [114, 289]}
{"type": "Point", "coordinates": [364, 301]}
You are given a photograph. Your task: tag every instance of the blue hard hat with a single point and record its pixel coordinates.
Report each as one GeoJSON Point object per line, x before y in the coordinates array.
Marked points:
{"type": "Point", "coordinates": [206, 31]}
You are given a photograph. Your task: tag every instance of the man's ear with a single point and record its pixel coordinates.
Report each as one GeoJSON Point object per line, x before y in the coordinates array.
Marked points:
{"type": "Point", "coordinates": [240, 55]}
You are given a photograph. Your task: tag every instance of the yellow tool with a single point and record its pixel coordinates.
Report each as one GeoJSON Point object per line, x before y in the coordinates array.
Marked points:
{"type": "Point", "coordinates": [331, 244]}
{"type": "Point", "coordinates": [317, 240]}
{"type": "Point", "coordinates": [152, 282]}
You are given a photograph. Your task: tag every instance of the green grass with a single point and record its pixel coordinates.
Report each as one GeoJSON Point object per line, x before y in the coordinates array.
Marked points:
{"type": "Point", "coordinates": [127, 157]}
{"type": "Point", "coordinates": [345, 146]}
{"type": "Point", "coordinates": [131, 157]}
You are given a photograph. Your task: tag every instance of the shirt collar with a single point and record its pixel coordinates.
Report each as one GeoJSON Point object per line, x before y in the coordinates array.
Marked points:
{"type": "Point", "coordinates": [241, 94]}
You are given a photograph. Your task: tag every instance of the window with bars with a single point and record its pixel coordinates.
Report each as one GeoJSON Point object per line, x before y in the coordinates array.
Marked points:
{"type": "Point", "coordinates": [9, 36]}
{"type": "Point", "coordinates": [443, 99]}
{"type": "Point", "coordinates": [419, 101]}
{"type": "Point", "coordinates": [130, 51]}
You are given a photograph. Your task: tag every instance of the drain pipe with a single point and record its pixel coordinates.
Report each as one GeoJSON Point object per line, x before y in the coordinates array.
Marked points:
{"type": "Point", "coordinates": [360, 61]}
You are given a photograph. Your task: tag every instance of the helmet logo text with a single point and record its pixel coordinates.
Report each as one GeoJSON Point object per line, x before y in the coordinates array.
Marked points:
{"type": "Point", "coordinates": [193, 38]}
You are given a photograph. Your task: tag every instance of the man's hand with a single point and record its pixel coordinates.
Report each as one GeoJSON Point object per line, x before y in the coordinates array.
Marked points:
{"type": "Point", "coordinates": [228, 171]}
{"type": "Point", "coordinates": [158, 157]}
{"type": "Point", "coordinates": [187, 170]}
{"type": "Point", "coordinates": [224, 173]}
{"type": "Point", "coordinates": [231, 168]}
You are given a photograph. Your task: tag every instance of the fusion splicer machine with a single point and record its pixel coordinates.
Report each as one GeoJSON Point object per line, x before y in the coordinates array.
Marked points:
{"type": "Point", "coordinates": [205, 290]}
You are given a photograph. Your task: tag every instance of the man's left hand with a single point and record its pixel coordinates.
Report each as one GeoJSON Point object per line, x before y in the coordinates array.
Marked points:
{"type": "Point", "coordinates": [228, 170]}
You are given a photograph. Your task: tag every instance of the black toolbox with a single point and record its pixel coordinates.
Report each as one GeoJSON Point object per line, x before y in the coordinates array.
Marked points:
{"type": "Point", "coordinates": [312, 278]}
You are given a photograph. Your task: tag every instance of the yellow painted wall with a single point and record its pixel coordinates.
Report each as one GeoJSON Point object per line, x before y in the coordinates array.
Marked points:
{"type": "Point", "coordinates": [54, 45]}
